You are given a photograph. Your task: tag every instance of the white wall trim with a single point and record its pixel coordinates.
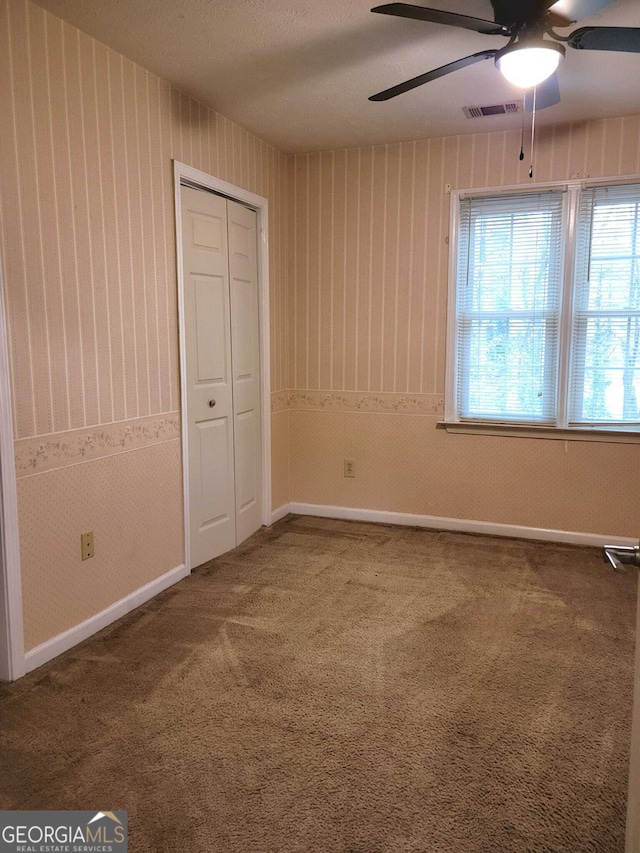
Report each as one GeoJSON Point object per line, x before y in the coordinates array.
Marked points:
{"type": "Point", "coordinates": [460, 525]}
{"type": "Point", "coordinates": [279, 513]}
{"type": "Point", "coordinates": [12, 662]}
{"type": "Point", "coordinates": [194, 177]}
{"type": "Point", "coordinates": [63, 642]}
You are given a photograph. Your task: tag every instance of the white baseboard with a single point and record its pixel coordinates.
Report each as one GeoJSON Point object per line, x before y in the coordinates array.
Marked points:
{"type": "Point", "coordinates": [279, 513]}
{"type": "Point", "coordinates": [461, 525]}
{"type": "Point", "coordinates": [63, 642]}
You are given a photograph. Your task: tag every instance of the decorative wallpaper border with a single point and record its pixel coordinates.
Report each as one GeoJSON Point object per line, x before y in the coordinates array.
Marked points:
{"type": "Point", "coordinates": [44, 453]}
{"type": "Point", "coordinates": [357, 401]}
{"type": "Point", "coordinates": [279, 401]}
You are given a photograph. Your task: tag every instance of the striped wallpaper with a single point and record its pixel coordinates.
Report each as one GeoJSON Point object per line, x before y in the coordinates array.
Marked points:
{"type": "Point", "coordinates": [87, 224]}
{"type": "Point", "coordinates": [367, 319]}
{"type": "Point", "coordinates": [369, 257]}
{"type": "Point", "coordinates": [358, 276]}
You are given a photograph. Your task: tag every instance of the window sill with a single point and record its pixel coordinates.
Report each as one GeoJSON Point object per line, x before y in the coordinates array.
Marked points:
{"type": "Point", "coordinates": [613, 436]}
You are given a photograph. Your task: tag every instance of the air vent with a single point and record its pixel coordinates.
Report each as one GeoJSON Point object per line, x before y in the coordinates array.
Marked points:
{"type": "Point", "coordinates": [493, 110]}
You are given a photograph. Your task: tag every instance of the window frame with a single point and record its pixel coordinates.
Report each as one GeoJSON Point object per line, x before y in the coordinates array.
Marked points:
{"type": "Point", "coordinates": [562, 428]}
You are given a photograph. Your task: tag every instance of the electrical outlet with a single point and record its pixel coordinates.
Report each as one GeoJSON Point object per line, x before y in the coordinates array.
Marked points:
{"type": "Point", "coordinates": [349, 468]}
{"type": "Point", "coordinates": [86, 545]}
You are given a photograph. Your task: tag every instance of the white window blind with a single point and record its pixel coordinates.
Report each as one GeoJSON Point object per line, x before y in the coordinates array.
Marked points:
{"type": "Point", "coordinates": [508, 301]}
{"type": "Point", "coordinates": [605, 346]}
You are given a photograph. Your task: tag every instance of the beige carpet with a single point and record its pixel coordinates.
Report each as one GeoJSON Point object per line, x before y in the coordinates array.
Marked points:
{"type": "Point", "coordinates": [335, 686]}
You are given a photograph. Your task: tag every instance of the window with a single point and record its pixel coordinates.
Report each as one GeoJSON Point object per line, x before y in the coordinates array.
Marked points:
{"type": "Point", "coordinates": [544, 326]}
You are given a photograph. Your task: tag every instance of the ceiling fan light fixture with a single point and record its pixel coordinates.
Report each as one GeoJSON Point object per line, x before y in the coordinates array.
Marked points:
{"type": "Point", "coordinates": [530, 63]}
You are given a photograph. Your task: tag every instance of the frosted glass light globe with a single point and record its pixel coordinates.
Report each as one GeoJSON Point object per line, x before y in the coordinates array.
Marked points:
{"type": "Point", "coordinates": [529, 66]}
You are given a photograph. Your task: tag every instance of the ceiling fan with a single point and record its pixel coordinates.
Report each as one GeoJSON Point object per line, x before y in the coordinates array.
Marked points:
{"type": "Point", "coordinates": [533, 51]}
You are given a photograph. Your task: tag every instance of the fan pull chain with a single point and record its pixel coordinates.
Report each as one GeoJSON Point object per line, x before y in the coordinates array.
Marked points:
{"type": "Point", "coordinates": [533, 129]}
{"type": "Point", "coordinates": [522, 131]}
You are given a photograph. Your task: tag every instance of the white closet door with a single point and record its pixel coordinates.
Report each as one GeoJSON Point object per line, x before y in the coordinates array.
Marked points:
{"type": "Point", "coordinates": [209, 375]}
{"type": "Point", "coordinates": [245, 345]}
{"type": "Point", "coordinates": [222, 347]}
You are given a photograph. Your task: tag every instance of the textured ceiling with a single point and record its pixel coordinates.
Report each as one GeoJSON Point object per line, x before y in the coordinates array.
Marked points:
{"type": "Point", "coordinates": [298, 72]}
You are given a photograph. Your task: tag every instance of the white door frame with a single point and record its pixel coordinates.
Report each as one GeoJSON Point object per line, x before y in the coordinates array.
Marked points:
{"type": "Point", "coordinates": [196, 178]}
{"type": "Point", "coordinates": [12, 660]}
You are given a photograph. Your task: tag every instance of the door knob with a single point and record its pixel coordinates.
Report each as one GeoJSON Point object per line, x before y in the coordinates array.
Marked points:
{"type": "Point", "coordinates": [212, 403]}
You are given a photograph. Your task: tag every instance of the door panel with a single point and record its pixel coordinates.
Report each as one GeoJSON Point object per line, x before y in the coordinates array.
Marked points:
{"type": "Point", "coordinates": [208, 375]}
{"type": "Point", "coordinates": [246, 464]}
{"type": "Point", "coordinates": [207, 231]}
{"type": "Point", "coordinates": [242, 232]}
{"type": "Point", "coordinates": [245, 344]}
{"type": "Point", "coordinates": [244, 365]}
{"type": "Point", "coordinates": [211, 330]}
{"type": "Point", "coordinates": [215, 441]}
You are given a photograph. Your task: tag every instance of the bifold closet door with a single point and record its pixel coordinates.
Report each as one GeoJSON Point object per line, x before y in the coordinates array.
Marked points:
{"type": "Point", "coordinates": [245, 360]}
{"type": "Point", "coordinates": [222, 372]}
